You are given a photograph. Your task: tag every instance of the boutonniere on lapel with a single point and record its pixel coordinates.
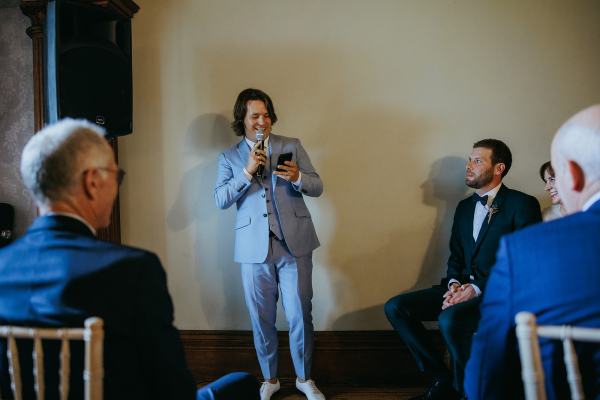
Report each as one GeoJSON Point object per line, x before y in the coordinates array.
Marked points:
{"type": "Point", "coordinates": [491, 211]}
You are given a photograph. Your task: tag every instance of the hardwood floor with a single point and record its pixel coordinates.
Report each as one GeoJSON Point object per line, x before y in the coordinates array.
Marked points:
{"type": "Point", "coordinates": [345, 392]}
{"type": "Point", "coordinates": [289, 392]}
{"type": "Point", "coordinates": [341, 359]}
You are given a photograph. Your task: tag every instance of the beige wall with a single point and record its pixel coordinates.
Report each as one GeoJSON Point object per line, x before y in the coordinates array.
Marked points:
{"type": "Point", "coordinates": [387, 97]}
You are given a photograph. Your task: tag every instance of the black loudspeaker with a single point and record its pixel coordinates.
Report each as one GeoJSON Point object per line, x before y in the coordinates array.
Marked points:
{"type": "Point", "coordinates": [7, 221]}
{"type": "Point", "coordinates": [88, 65]}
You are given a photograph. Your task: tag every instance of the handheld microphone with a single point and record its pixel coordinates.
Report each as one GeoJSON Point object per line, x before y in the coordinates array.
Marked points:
{"type": "Point", "coordinates": [260, 136]}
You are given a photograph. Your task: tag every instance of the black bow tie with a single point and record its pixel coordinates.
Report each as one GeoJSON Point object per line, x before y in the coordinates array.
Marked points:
{"type": "Point", "coordinates": [481, 199]}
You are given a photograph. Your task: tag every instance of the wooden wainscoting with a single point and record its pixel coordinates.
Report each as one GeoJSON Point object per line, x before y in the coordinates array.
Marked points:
{"type": "Point", "coordinates": [340, 357]}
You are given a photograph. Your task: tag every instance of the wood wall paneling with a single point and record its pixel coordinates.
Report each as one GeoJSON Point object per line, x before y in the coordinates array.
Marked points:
{"type": "Point", "coordinates": [36, 11]}
{"type": "Point", "coordinates": [340, 357]}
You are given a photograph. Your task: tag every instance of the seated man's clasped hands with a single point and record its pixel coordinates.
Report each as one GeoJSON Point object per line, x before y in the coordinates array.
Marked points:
{"type": "Point", "coordinates": [458, 293]}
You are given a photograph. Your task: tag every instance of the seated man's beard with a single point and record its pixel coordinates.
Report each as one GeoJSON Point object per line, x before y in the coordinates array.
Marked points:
{"type": "Point", "coordinates": [481, 180]}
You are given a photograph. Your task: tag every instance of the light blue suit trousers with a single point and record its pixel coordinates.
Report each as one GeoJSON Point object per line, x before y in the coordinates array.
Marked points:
{"type": "Point", "coordinates": [281, 272]}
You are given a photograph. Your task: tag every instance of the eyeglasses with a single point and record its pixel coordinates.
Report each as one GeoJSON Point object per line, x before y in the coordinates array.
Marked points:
{"type": "Point", "coordinates": [120, 174]}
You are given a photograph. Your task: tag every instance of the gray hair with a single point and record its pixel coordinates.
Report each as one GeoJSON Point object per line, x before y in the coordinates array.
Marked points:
{"type": "Point", "coordinates": [581, 144]}
{"type": "Point", "coordinates": [55, 156]}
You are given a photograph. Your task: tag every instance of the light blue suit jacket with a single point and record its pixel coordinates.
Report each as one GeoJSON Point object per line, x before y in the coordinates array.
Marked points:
{"type": "Point", "coordinates": [252, 224]}
{"type": "Point", "coordinates": [552, 270]}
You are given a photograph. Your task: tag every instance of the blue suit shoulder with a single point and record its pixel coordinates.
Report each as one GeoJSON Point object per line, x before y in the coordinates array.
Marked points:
{"type": "Point", "coordinates": [124, 249]}
{"type": "Point", "coordinates": [126, 255]}
{"type": "Point", "coordinates": [569, 225]}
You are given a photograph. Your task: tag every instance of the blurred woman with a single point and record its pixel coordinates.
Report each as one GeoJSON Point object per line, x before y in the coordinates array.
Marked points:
{"type": "Point", "coordinates": [556, 210]}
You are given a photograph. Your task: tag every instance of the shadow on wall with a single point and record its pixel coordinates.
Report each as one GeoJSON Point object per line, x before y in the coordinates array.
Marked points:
{"type": "Point", "coordinates": [215, 272]}
{"type": "Point", "coordinates": [443, 189]}
{"type": "Point", "coordinates": [373, 242]}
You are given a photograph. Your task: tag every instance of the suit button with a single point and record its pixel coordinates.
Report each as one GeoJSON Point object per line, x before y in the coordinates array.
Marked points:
{"type": "Point", "coordinates": [265, 215]}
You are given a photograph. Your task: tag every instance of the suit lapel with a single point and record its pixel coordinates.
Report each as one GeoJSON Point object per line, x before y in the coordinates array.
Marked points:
{"type": "Point", "coordinates": [243, 150]}
{"type": "Point", "coordinates": [276, 146]}
{"type": "Point", "coordinates": [469, 228]}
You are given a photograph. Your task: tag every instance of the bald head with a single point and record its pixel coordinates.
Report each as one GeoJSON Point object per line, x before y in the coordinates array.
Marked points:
{"type": "Point", "coordinates": [575, 158]}
{"type": "Point", "coordinates": [590, 118]}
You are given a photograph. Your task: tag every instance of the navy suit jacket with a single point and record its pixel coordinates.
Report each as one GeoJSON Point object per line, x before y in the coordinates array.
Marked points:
{"type": "Point", "coordinates": [468, 257]}
{"type": "Point", "coordinates": [552, 270]}
{"type": "Point", "coordinates": [252, 225]}
{"type": "Point", "coordinates": [58, 273]}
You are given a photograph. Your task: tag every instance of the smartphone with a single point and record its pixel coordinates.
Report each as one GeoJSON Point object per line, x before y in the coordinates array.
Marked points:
{"type": "Point", "coordinates": [283, 158]}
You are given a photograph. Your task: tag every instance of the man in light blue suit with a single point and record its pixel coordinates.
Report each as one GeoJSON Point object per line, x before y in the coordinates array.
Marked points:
{"type": "Point", "coordinates": [274, 233]}
{"type": "Point", "coordinates": [550, 269]}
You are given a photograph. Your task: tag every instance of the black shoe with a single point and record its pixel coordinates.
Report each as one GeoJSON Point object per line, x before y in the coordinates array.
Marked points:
{"type": "Point", "coordinates": [440, 390]}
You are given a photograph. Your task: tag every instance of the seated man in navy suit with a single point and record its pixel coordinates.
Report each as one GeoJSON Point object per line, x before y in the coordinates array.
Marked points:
{"type": "Point", "coordinates": [551, 270]}
{"type": "Point", "coordinates": [479, 222]}
{"type": "Point", "coordinates": [59, 274]}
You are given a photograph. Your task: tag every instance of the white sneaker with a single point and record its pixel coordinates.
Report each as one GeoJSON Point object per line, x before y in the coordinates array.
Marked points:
{"type": "Point", "coordinates": [309, 388]}
{"type": "Point", "coordinates": [267, 389]}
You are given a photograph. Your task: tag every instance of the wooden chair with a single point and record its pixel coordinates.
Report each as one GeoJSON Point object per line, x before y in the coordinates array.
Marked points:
{"type": "Point", "coordinates": [93, 374]}
{"type": "Point", "coordinates": [532, 371]}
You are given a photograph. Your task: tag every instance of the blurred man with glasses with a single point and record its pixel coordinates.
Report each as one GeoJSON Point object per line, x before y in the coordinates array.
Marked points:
{"type": "Point", "coordinates": [59, 274]}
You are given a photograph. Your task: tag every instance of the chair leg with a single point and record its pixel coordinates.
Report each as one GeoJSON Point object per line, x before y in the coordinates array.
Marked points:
{"type": "Point", "coordinates": [529, 351]}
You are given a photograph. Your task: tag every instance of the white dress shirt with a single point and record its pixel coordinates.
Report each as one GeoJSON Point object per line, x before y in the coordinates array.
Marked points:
{"type": "Point", "coordinates": [481, 211]}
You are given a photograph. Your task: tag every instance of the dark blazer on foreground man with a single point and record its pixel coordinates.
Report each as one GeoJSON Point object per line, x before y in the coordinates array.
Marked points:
{"type": "Point", "coordinates": [455, 303]}
{"type": "Point", "coordinates": [551, 270]}
{"type": "Point", "coordinates": [59, 274]}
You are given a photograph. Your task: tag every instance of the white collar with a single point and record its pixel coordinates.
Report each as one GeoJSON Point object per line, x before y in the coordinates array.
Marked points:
{"type": "Point", "coordinates": [251, 143]}
{"type": "Point", "coordinates": [491, 194]}
{"type": "Point", "coordinates": [591, 201]}
{"type": "Point", "coordinates": [74, 216]}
